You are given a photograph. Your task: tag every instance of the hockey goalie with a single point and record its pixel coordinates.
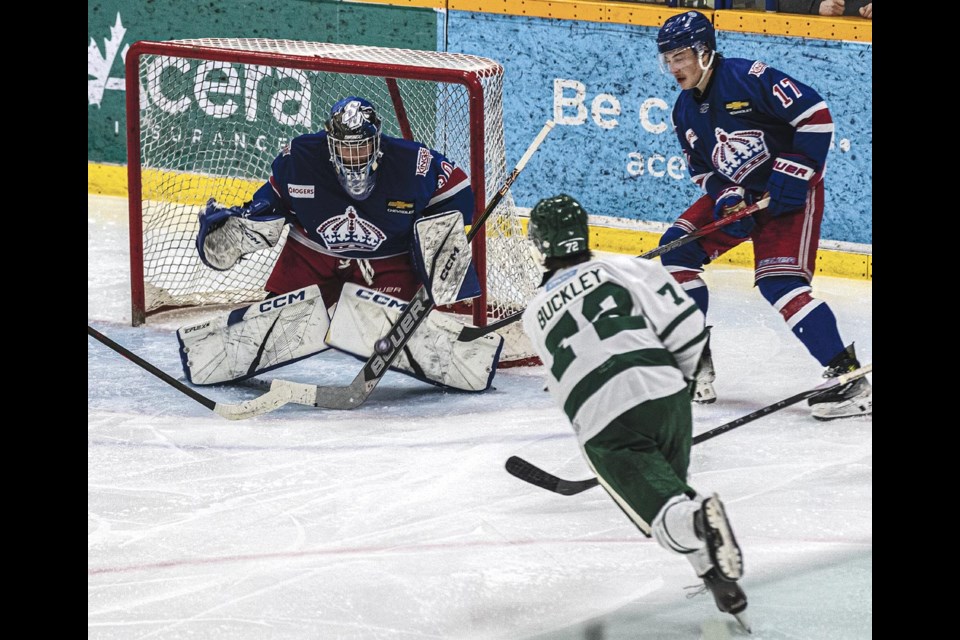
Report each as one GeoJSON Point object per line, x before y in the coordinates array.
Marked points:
{"type": "Point", "coordinates": [372, 218]}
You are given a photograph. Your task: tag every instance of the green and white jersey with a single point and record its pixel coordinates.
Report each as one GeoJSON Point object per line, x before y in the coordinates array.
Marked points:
{"type": "Point", "coordinates": [613, 333]}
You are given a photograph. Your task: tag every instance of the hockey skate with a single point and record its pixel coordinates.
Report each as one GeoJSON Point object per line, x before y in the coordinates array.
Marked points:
{"type": "Point", "coordinates": [703, 391]}
{"type": "Point", "coordinates": [711, 525]}
{"type": "Point", "coordinates": [728, 596]}
{"type": "Point", "coordinates": [852, 399]}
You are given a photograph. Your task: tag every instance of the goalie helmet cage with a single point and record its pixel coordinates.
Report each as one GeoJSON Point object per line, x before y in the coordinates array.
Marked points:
{"type": "Point", "coordinates": [206, 117]}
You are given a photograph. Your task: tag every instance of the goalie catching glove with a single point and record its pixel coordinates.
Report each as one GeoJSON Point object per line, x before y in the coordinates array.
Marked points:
{"type": "Point", "coordinates": [228, 234]}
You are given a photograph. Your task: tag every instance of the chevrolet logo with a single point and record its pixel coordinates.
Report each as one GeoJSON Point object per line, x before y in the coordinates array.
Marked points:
{"type": "Point", "coordinates": [739, 104]}
{"type": "Point", "coordinates": [400, 204]}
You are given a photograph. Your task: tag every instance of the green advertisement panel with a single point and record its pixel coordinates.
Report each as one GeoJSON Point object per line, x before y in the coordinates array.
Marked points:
{"type": "Point", "coordinates": [112, 26]}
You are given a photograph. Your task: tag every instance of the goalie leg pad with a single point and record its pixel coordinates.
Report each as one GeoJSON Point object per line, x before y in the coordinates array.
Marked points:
{"type": "Point", "coordinates": [444, 258]}
{"type": "Point", "coordinates": [250, 340]}
{"type": "Point", "coordinates": [433, 353]}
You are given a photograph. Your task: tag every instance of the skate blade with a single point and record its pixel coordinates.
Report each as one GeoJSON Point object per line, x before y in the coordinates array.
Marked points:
{"type": "Point", "coordinates": [855, 411]}
{"type": "Point", "coordinates": [705, 394]}
{"type": "Point", "coordinates": [743, 621]}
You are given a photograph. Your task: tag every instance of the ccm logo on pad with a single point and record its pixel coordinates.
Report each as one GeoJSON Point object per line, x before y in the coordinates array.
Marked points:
{"type": "Point", "coordinates": [300, 190]}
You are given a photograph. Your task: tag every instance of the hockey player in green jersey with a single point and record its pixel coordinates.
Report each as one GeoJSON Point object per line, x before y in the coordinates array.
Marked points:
{"type": "Point", "coordinates": [621, 340]}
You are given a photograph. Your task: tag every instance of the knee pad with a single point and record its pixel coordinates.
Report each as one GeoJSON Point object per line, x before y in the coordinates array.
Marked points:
{"type": "Point", "coordinates": [690, 255]}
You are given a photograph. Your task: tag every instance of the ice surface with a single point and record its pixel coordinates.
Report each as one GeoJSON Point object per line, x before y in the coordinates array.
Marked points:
{"type": "Point", "coordinates": [397, 520]}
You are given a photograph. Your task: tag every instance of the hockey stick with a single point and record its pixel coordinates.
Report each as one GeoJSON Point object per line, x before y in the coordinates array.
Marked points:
{"type": "Point", "coordinates": [528, 472]}
{"type": "Point", "coordinates": [786, 402]}
{"type": "Point", "coordinates": [759, 205]}
{"type": "Point", "coordinates": [354, 394]}
{"type": "Point", "coordinates": [472, 333]}
{"type": "Point", "coordinates": [247, 409]}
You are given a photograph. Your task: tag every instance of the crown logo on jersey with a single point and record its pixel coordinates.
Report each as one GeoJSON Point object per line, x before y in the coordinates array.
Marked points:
{"type": "Point", "coordinates": [737, 154]}
{"type": "Point", "coordinates": [350, 232]}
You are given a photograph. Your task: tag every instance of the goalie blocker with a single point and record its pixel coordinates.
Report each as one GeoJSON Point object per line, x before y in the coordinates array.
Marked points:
{"type": "Point", "coordinates": [444, 259]}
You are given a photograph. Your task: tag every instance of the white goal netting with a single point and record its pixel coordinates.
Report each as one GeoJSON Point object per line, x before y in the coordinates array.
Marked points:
{"type": "Point", "coordinates": [210, 115]}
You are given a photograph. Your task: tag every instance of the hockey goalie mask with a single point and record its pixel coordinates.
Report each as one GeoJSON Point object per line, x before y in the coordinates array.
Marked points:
{"type": "Point", "coordinates": [353, 136]}
{"type": "Point", "coordinates": [558, 227]}
{"type": "Point", "coordinates": [689, 41]}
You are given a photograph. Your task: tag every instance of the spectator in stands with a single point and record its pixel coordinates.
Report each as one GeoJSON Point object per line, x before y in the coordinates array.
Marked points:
{"type": "Point", "coordinates": [862, 8]}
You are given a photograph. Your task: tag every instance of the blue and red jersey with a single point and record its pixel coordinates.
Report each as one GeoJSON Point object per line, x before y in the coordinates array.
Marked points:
{"type": "Point", "coordinates": [412, 181]}
{"type": "Point", "coordinates": [749, 115]}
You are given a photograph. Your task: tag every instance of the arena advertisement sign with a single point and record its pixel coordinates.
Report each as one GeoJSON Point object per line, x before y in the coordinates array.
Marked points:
{"type": "Point", "coordinates": [233, 96]}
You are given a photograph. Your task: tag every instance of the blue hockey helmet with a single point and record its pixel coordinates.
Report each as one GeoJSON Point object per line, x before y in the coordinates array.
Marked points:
{"type": "Point", "coordinates": [691, 30]}
{"type": "Point", "coordinates": [686, 30]}
{"type": "Point", "coordinates": [353, 137]}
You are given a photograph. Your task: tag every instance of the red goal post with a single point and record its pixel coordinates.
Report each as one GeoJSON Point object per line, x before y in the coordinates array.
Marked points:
{"type": "Point", "coordinates": [206, 117]}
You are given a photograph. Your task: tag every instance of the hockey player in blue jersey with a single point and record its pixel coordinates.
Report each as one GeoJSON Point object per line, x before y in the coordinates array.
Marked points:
{"type": "Point", "coordinates": [371, 217]}
{"type": "Point", "coordinates": [749, 130]}
{"type": "Point", "coordinates": [352, 196]}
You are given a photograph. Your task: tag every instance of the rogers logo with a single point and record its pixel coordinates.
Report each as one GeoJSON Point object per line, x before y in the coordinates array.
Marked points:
{"type": "Point", "coordinates": [300, 190]}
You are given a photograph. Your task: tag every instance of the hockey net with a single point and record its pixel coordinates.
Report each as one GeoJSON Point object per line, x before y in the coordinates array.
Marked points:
{"type": "Point", "coordinates": [206, 117]}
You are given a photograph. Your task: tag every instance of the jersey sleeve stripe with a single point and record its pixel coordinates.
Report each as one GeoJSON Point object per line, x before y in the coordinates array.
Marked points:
{"type": "Point", "coordinates": [596, 379]}
{"type": "Point", "coordinates": [456, 183]}
{"type": "Point", "coordinates": [700, 338]}
{"type": "Point", "coordinates": [686, 313]}
{"type": "Point", "coordinates": [815, 128]}
{"type": "Point", "coordinates": [275, 187]}
{"type": "Point", "coordinates": [701, 179]}
{"type": "Point", "coordinates": [815, 113]}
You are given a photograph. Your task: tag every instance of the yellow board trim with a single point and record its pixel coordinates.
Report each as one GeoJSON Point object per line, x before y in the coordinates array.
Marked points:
{"type": "Point", "coordinates": [585, 10]}
{"type": "Point", "coordinates": [170, 186]}
{"type": "Point", "coordinates": [841, 264]}
{"type": "Point", "coordinates": [111, 180]}
{"type": "Point", "coordinates": [106, 179]}
{"type": "Point", "coordinates": [850, 28]}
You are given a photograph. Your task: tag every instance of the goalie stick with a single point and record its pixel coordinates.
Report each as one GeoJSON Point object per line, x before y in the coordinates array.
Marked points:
{"type": "Point", "coordinates": [472, 333]}
{"type": "Point", "coordinates": [354, 394]}
{"type": "Point", "coordinates": [528, 472]}
{"type": "Point", "coordinates": [247, 409]}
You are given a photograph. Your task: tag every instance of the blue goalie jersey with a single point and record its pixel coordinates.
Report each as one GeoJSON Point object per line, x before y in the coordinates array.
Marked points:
{"type": "Point", "coordinates": [412, 181]}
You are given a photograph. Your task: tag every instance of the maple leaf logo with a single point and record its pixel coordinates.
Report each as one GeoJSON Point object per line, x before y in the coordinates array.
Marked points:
{"type": "Point", "coordinates": [99, 65]}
